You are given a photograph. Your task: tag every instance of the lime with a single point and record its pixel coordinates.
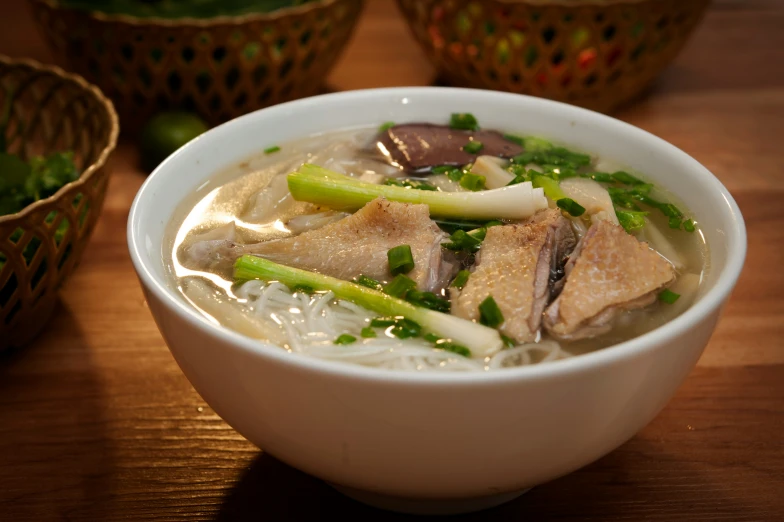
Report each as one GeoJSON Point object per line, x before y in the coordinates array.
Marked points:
{"type": "Point", "coordinates": [165, 133]}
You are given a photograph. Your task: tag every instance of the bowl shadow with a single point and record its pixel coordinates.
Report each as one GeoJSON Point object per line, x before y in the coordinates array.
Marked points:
{"type": "Point", "coordinates": [639, 480]}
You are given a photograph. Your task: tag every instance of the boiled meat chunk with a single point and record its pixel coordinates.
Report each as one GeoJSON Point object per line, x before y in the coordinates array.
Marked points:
{"type": "Point", "coordinates": [609, 271]}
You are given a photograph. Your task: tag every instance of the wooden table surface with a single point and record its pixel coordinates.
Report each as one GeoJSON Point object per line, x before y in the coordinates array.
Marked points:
{"type": "Point", "coordinates": [98, 423]}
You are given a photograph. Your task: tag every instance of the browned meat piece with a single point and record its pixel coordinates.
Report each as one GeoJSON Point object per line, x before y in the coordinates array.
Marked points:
{"type": "Point", "coordinates": [609, 271]}
{"type": "Point", "coordinates": [350, 247]}
{"type": "Point", "coordinates": [420, 146]}
{"type": "Point", "coordinates": [515, 266]}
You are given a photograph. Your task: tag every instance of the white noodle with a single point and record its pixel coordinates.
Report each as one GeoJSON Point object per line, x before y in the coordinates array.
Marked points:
{"type": "Point", "coordinates": [312, 323]}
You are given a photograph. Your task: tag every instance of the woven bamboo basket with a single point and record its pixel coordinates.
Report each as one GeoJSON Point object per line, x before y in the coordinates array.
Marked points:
{"type": "Point", "coordinates": [51, 111]}
{"type": "Point", "coordinates": [598, 54]}
{"type": "Point", "coordinates": [219, 68]}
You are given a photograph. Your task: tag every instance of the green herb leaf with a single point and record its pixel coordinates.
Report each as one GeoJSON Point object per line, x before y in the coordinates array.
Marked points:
{"type": "Point", "coordinates": [345, 339]}
{"type": "Point", "coordinates": [688, 225]}
{"type": "Point", "coordinates": [271, 150]}
{"type": "Point", "coordinates": [368, 332]}
{"type": "Point", "coordinates": [386, 126]}
{"type": "Point", "coordinates": [508, 341]}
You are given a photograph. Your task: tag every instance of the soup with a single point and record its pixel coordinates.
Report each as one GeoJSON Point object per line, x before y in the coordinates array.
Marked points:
{"type": "Point", "coordinates": [429, 247]}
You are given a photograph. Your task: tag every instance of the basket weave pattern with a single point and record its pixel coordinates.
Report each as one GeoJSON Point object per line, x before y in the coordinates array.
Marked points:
{"type": "Point", "coordinates": [596, 54]}
{"type": "Point", "coordinates": [220, 68]}
{"type": "Point", "coordinates": [51, 111]}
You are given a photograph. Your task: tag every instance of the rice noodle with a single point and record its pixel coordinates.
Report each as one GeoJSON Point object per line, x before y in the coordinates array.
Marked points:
{"type": "Point", "coordinates": [311, 323]}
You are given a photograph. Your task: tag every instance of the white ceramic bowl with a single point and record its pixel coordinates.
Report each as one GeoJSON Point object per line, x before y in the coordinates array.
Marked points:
{"type": "Point", "coordinates": [434, 442]}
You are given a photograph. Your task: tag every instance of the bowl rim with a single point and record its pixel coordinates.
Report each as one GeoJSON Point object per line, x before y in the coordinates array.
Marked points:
{"type": "Point", "coordinates": [103, 156]}
{"type": "Point", "coordinates": [202, 23]}
{"type": "Point", "coordinates": [709, 303]}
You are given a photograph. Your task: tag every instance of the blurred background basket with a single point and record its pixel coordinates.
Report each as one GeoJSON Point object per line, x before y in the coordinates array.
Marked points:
{"type": "Point", "coordinates": [218, 67]}
{"type": "Point", "coordinates": [50, 111]}
{"type": "Point", "coordinates": [597, 54]}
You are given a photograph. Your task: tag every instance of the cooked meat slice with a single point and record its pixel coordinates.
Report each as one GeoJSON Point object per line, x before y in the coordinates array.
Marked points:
{"type": "Point", "coordinates": [354, 245]}
{"type": "Point", "coordinates": [609, 271]}
{"type": "Point", "coordinates": [515, 266]}
{"type": "Point", "coordinates": [420, 146]}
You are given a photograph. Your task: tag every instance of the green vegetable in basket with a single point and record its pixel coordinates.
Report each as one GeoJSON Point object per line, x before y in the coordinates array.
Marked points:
{"type": "Point", "coordinates": [181, 8]}
{"type": "Point", "coordinates": [167, 132]}
{"type": "Point", "coordinates": [23, 183]}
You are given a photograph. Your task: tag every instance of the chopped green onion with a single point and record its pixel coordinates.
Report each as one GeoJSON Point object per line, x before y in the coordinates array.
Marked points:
{"type": "Point", "coordinates": [489, 313]}
{"type": "Point", "coordinates": [453, 173]}
{"type": "Point", "coordinates": [461, 279]}
{"type": "Point", "coordinates": [451, 226]}
{"type": "Point", "coordinates": [508, 341]}
{"type": "Point", "coordinates": [601, 177]}
{"type": "Point", "coordinates": [534, 144]}
{"type": "Point", "coordinates": [519, 140]}
{"type": "Point", "coordinates": [405, 328]}
{"type": "Point", "coordinates": [271, 150]}
{"type": "Point", "coordinates": [431, 338]}
{"type": "Point", "coordinates": [668, 296]}
{"type": "Point", "coordinates": [463, 121]}
{"type": "Point", "coordinates": [399, 286]}
{"type": "Point", "coordinates": [345, 339]}
{"type": "Point", "coordinates": [305, 289]}
{"type": "Point", "coordinates": [551, 188]}
{"type": "Point", "coordinates": [369, 282]}
{"type": "Point", "coordinates": [571, 206]}
{"type": "Point", "coordinates": [428, 300]}
{"type": "Point", "coordinates": [461, 240]}
{"type": "Point", "coordinates": [626, 178]}
{"type": "Point", "coordinates": [401, 261]}
{"type": "Point", "coordinates": [473, 147]}
{"type": "Point", "coordinates": [631, 220]}
{"type": "Point", "coordinates": [368, 332]}
{"type": "Point", "coordinates": [670, 210]}
{"type": "Point", "coordinates": [675, 223]}
{"type": "Point", "coordinates": [688, 225]}
{"type": "Point", "coordinates": [454, 348]}
{"type": "Point", "coordinates": [386, 126]}
{"type": "Point", "coordinates": [623, 198]}
{"type": "Point", "coordinates": [382, 322]}
{"type": "Point", "coordinates": [412, 184]}
{"type": "Point", "coordinates": [554, 157]}
{"type": "Point", "coordinates": [472, 182]}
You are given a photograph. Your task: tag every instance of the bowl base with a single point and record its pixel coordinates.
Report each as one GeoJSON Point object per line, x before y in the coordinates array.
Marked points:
{"type": "Point", "coordinates": [425, 506]}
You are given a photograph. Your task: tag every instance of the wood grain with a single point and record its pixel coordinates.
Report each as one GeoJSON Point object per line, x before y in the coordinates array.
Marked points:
{"type": "Point", "coordinates": [98, 423]}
